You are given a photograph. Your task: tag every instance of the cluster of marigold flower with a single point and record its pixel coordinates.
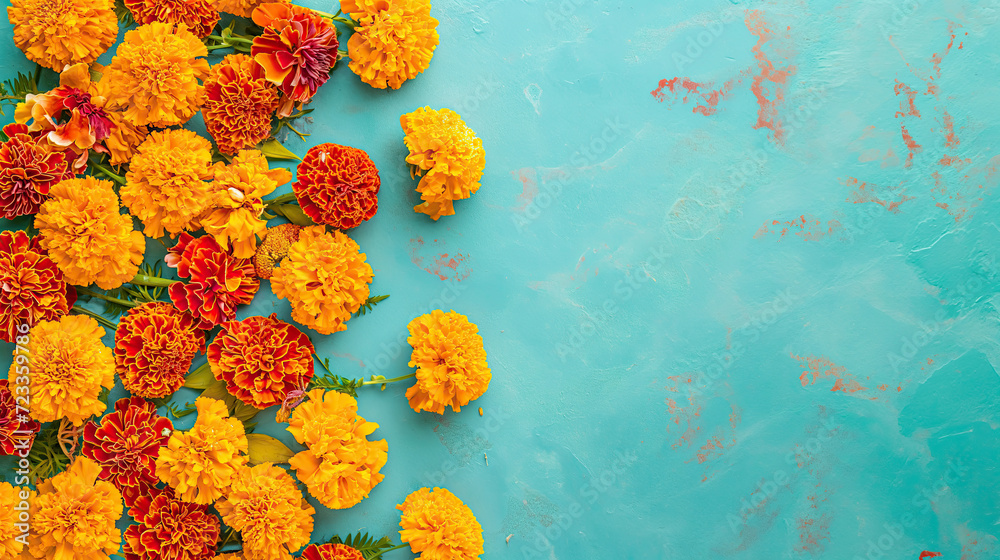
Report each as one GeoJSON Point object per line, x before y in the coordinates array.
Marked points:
{"type": "Point", "coordinates": [110, 137]}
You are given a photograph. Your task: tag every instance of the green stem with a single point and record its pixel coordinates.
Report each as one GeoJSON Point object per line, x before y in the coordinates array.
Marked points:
{"type": "Point", "coordinates": [121, 302]}
{"type": "Point", "coordinates": [38, 74]}
{"type": "Point", "coordinates": [280, 199]}
{"type": "Point", "coordinates": [151, 281]}
{"type": "Point", "coordinates": [379, 555]}
{"type": "Point", "coordinates": [113, 176]}
{"type": "Point", "coordinates": [100, 319]}
{"type": "Point", "coordinates": [393, 380]}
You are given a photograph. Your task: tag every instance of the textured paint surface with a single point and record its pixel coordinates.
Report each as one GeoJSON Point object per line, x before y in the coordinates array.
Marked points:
{"type": "Point", "coordinates": [735, 264]}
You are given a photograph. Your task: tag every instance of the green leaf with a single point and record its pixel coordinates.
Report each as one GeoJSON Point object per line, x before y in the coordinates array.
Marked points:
{"type": "Point", "coordinates": [46, 458]}
{"type": "Point", "coordinates": [294, 214]}
{"type": "Point", "coordinates": [124, 15]}
{"type": "Point", "coordinates": [180, 412]}
{"type": "Point", "coordinates": [200, 378]}
{"type": "Point", "coordinates": [237, 408]}
{"type": "Point", "coordinates": [366, 545]}
{"type": "Point", "coordinates": [369, 304]}
{"type": "Point", "coordinates": [15, 89]}
{"type": "Point", "coordinates": [267, 449]}
{"type": "Point", "coordinates": [272, 149]}
{"type": "Point", "coordinates": [337, 383]}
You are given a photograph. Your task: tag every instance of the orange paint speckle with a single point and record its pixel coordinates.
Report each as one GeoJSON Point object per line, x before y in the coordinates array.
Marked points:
{"type": "Point", "coordinates": [815, 368]}
{"type": "Point", "coordinates": [529, 187]}
{"type": "Point", "coordinates": [911, 145]}
{"type": "Point", "coordinates": [443, 265]}
{"type": "Point", "coordinates": [770, 82]}
{"type": "Point", "coordinates": [868, 192]}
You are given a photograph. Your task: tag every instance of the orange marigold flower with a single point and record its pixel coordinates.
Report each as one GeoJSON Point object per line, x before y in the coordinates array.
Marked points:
{"type": "Point", "coordinates": [154, 75]}
{"type": "Point", "coordinates": [449, 152]}
{"type": "Point", "coordinates": [266, 506]}
{"type": "Point", "coordinates": [154, 346]}
{"type": "Point", "coordinates": [261, 359]}
{"type": "Point", "coordinates": [69, 367]}
{"type": "Point", "coordinates": [274, 247]}
{"type": "Point", "coordinates": [230, 556]}
{"type": "Point", "coordinates": [340, 466]}
{"type": "Point", "coordinates": [201, 463]}
{"type": "Point", "coordinates": [86, 235]}
{"type": "Point", "coordinates": [29, 166]}
{"type": "Point", "coordinates": [297, 49]}
{"type": "Point", "coordinates": [439, 526]}
{"type": "Point", "coordinates": [450, 360]}
{"type": "Point", "coordinates": [166, 186]}
{"type": "Point", "coordinates": [242, 8]}
{"type": "Point", "coordinates": [168, 528]}
{"type": "Point", "coordinates": [74, 515]}
{"type": "Point", "coordinates": [55, 33]}
{"type": "Point", "coordinates": [325, 277]}
{"type": "Point", "coordinates": [198, 15]}
{"type": "Point", "coordinates": [329, 551]}
{"type": "Point", "coordinates": [125, 444]}
{"type": "Point", "coordinates": [393, 42]}
{"type": "Point", "coordinates": [337, 185]}
{"type": "Point", "coordinates": [239, 103]}
{"type": "Point", "coordinates": [217, 281]}
{"type": "Point", "coordinates": [34, 288]}
{"type": "Point", "coordinates": [11, 546]}
{"type": "Point", "coordinates": [15, 434]}
{"type": "Point", "coordinates": [235, 210]}
{"type": "Point", "coordinates": [124, 139]}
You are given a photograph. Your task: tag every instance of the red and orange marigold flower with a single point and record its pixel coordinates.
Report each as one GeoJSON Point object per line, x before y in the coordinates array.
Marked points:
{"type": "Point", "coordinates": [393, 42]}
{"type": "Point", "coordinates": [297, 50]}
{"type": "Point", "coordinates": [15, 435]}
{"type": "Point", "coordinates": [216, 281]}
{"type": "Point", "coordinates": [239, 103]}
{"type": "Point", "coordinates": [329, 551]}
{"type": "Point", "coordinates": [261, 359]}
{"type": "Point", "coordinates": [337, 185]}
{"type": "Point", "coordinates": [199, 15]}
{"type": "Point", "coordinates": [154, 346]}
{"type": "Point", "coordinates": [34, 288]}
{"type": "Point", "coordinates": [55, 33]}
{"type": "Point", "coordinates": [168, 528]}
{"type": "Point", "coordinates": [126, 443]}
{"type": "Point", "coordinates": [29, 167]}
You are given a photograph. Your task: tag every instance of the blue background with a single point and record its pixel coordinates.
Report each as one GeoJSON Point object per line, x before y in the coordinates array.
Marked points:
{"type": "Point", "coordinates": [733, 326]}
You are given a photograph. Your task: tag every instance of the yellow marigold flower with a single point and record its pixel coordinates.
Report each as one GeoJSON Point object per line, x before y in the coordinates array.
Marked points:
{"type": "Point", "coordinates": [201, 463]}
{"type": "Point", "coordinates": [69, 367]}
{"type": "Point", "coordinates": [166, 186]}
{"type": "Point", "coordinates": [74, 515]}
{"type": "Point", "coordinates": [439, 526]}
{"type": "Point", "coordinates": [236, 207]}
{"type": "Point", "coordinates": [154, 75]}
{"type": "Point", "coordinates": [325, 277]}
{"type": "Point", "coordinates": [266, 506]}
{"type": "Point", "coordinates": [450, 360]}
{"type": "Point", "coordinates": [273, 247]}
{"type": "Point", "coordinates": [13, 497]}
{"type": "Point", "coordinates": [340, 466]}
{"type": "Point", "coordinates": [449, 152]}
{"type": "Point", "coordinates": [87, 236]}
{"type": "Point", "coordinates": [393, 42]}
{"type": "Point", "coordinates": [56, 33]}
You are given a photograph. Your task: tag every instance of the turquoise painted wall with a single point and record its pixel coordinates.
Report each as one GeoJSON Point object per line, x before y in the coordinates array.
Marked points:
{"type": "Point", "coordinates": [735, 265]}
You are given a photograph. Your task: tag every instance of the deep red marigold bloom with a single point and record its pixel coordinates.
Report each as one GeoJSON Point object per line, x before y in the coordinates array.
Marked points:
{"type": "Point", "coordinates": [337, 185]}
{"type": "Point", "coordinates": [198, 15]}
{"type": "Point", "coordinates": [217, 281]}
{"type": "Point", "coordinates": [331, 552]}
{"type": "Point", "coordinates": [125, 444]}
{"type": "Point", "coordinates": [15, 435]}
{"type": "Point", "coordinates": [29, 166]}
{"type": "Point", "coordinates": [297, 49]}
{"type": "Point", "coordinates": [168, 528]}
{"type": "Point", "coordinates": [33, 287]}
{"type": "Point", "coordinates": [239, 103]}
{"type": "Point", "coordinates": [154, 346]}
{"type": "Point", "coordinates": [261, 359]}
